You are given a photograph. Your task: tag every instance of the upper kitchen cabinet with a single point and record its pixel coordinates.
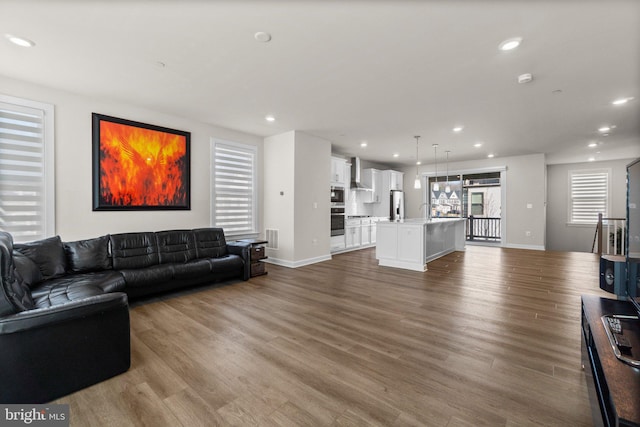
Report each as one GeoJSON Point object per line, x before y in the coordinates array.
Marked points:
{"type": "Point", "coordinates": [372, 178]}
{"type": "Point", "coordinates": [338, 171]}
{"type": "Point", "coordinates": [395, 180]}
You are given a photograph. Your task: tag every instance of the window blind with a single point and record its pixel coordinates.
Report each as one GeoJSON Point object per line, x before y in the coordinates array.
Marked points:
{"type": "Point", "coordinates": [234, 198]}
{"type": "Point", "coordinates": [23, 210]}
{"type": "Point", "coordinates": [589, 191]}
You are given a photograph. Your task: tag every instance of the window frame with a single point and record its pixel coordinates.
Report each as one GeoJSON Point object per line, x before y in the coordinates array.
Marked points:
{"type": "Point", "coordinates": [570, 199]}
{"type": "Point", "coordinates": [253, 151]}
{"type": "Point", "coordinates": [48, 162]}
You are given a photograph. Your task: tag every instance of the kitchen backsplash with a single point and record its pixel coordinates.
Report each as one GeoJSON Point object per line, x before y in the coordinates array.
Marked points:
{"type": "Point", "coordinates": [355, 206]}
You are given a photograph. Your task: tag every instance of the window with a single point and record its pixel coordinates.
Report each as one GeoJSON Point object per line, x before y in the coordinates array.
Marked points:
{"type": "Point", "coordinates": [26, 169]}
{"type": "Point", "coordinates": [477, 203]}
{"type": "Point", "coordinates": [234, 197]}
{"type": "Point", "coordinates": [588, 195]}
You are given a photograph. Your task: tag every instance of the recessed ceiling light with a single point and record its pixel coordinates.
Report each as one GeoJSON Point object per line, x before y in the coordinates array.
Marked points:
{"type": "Point", "coordinates": [621, 101]}
{"type": "Point", "coordinates": [262, 37]}
{"type": "Point", "coordinates": [604, 129]}
{"type": "Point", "coordinates": [270, 118]}
{"type": "Point", "coordinates": [363, 144]}
{"type": "Point", "coordinates": [396, 155]}
{"type": "Point", "coordinates": [592, 144]}
{"type": "Point", "coordinates": [478, 144]}
{"type": "Point", "coordinates": [458, 129]}
{"type": "Point", "coordinates": [491, 156]}
{"type": "Point", "coordinates": [418, 162]}
{"type": "Point", "coordinates": [591, 159]}
{"type": "Point", "coordinates": [20, 41]}
{"type": "Point", "coordinates": [510, 44]}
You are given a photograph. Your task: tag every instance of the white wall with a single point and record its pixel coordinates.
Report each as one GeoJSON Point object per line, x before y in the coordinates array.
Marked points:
{"type": "Point", "coordinates": [579, 238]}
{"type": "Point", "coordinates": [524, 184]}
{"type": "Point", "coordinates": [296, 194]}
{"type": "Point", "coordinates": [74, 216]}
{"type": "Point", "coordinates": [279, 192]}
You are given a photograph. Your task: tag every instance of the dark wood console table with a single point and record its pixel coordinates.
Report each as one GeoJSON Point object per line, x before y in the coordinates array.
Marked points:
{"type": "Point", "coordinates": [614, 386]}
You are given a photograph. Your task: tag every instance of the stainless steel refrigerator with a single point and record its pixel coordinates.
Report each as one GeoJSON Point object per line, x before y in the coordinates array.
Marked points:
{"type": "Point", "coordinates": [396, 205]}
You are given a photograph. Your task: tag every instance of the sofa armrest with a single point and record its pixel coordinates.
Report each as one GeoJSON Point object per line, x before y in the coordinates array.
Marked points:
{"type": "Point", "coordinates": [243, 249]}
{"type": "Point", "coordinates": [79, 309]}
{"type": "Point", "coordinates": [50, 352]}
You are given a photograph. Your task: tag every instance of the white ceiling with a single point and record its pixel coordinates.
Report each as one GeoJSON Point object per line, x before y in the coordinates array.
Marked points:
{"type": "Point", "coordinates": [374, 71]}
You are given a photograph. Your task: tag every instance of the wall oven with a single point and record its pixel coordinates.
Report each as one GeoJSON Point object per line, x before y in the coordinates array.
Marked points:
{"type": "Point", "coordinates": [337, 221]}
{"type": "Point", "coordinates": [337, 195]}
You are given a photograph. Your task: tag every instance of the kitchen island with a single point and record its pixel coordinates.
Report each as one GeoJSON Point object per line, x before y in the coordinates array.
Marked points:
{"type": "Point", "coordinates": [412, 243]}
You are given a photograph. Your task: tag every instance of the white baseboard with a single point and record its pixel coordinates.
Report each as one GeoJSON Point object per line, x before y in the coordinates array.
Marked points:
{"type": "Point", "coordinates": [296, 264]}
{"type": "Point", "coordinates": [518, 246]}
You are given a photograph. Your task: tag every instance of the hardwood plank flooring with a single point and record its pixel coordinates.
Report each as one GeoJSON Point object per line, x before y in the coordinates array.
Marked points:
{"type": "Point", "coordinates": [485, 337]}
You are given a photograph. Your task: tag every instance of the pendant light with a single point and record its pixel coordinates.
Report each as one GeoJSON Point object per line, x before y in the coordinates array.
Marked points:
{"type": "Point", "coordinates": [436, 187]}
{"type": "Point", "coordinates": [447, 188]}
{"type": "Point", "coordinates": [417, 185]}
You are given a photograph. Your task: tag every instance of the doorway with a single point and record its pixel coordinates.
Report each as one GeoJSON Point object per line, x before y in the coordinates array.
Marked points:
{"type": "Point", "coordinates": [476, 197]}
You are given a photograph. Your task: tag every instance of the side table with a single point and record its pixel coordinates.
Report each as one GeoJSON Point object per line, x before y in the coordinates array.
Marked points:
{"type": "Point", "coordinates": [257, 253]}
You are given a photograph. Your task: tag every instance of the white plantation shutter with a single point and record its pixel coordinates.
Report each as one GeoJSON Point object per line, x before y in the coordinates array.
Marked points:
{"type": "Point", "coordinates": [234, 187]}
{"type": "Point", "coordinates": [26, 169]}
{"type": "Point", "coordinates": [589, 195]}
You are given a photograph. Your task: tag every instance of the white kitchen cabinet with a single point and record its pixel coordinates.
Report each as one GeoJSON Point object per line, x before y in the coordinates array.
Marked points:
{"type": "Point", "coordinates": [372, 178]}
{"type": "Point", "coordinates": [353, 233]}
{"type": "Point", "coordinates": [338, 171]}
{"type": "Point", "coordinates": [365, 231]}
{"type": "Point", "coordinates": [396, 180]}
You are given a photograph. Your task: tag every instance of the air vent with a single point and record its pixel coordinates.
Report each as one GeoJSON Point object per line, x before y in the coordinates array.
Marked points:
{"type": "Point", "coordinates": [271, 236]}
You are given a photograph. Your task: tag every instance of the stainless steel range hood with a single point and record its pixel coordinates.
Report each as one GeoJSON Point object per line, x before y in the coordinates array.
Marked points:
{"type": "Point", "coordinates": [355, 176]}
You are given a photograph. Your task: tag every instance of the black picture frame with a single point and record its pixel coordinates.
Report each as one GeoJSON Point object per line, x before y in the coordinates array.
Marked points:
{"type": "Point", "coordinates": [139, 166]}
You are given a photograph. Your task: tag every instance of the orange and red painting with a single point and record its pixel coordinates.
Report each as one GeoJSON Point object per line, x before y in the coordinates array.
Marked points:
{"type": "Point", "coordinates": [139, 166]}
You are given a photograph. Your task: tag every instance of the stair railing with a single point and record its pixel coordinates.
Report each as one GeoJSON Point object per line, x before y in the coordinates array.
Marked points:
{"type": "Point", "coordinates": [609, 237]}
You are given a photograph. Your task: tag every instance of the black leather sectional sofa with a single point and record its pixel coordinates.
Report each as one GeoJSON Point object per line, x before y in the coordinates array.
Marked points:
{"type": "Point", "coordinates": [64, 314]}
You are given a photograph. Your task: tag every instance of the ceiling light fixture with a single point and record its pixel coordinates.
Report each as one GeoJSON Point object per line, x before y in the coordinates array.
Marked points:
{"type": "Point", "coordinates": [20, 41]}
{"type": "Point", "coordinates": [416, 184]}
{"type": "Point", "coordinates": [478, 144]}
{"type": "Point", "coordinates": [604, 129]}
{"type": "Point", "coordinates": [510, 44]}
{"type": "Point", "coordinates": [458, 129]}
{"type": "Point", "coordinates": [491, 156]}
{"type": "Point", "coordinates": [592, 144]}
{"type": "Point", "coordinates": [621, 101]}
{"type": "Point", "coordinates": [270, 118]}
{"type": "Point", "coordinates": [447, 188]}
{"type": "Point", "coordinates": [363, 144]}
{"type": "Point", "coordinates": [396, 155]}
{"type": "Point", "coordinates": [436, 186]}
{"type": "Point", "coordinates": [262, 37]}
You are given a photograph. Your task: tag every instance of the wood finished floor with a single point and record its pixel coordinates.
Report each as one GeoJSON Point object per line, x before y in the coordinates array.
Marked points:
{"type": "Point", "coordinates": [488, 336]}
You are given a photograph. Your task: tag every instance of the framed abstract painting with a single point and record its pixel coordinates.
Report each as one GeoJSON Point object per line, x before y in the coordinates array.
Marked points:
{"type": "Point", "coordinates": [137, 166]}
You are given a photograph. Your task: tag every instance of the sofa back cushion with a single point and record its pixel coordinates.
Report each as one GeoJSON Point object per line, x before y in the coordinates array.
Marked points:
{"type": "Point", "coordinates": [26, 269]}
{"type": "Point", "coordinates": [134, 250]}
{"type": "Point", "coordinates": [88, 255]}
{"type": "Point", "coordinates": [47, 254]}
{"type": "Point", "coordinates": [210, 242]}
{"type": "Point", "coordinates": [15, 296]}
{"type": "Point", "coordinates": [177, 246]}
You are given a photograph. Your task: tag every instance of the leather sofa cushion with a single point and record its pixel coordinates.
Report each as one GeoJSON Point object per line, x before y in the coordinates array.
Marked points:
{"type": "Point", "coordinates": [192, 269]}
{"type": "Point", "coordinates": [47, 254]}
{"type": "Point", "coordinates": [88, 255]}
{"type": "Point", "coordinates": [176, 246]}
{"type": "Point", "coordinates": [15, 296]}
{"type": "Point", "coordinates": [134, 250]}
{"type": "Point", "coordinates": [77, 286]}
{"type": "Point", "coordinates": [210, 242]}
{"type": "Point", "coordinates": [226, 264]}
{"type": "Point", "coordinates": [26, 269]}
{"type": "Point", "coordinates": [148, 276]}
